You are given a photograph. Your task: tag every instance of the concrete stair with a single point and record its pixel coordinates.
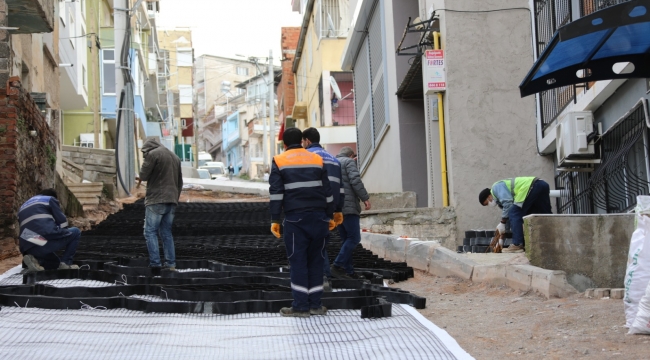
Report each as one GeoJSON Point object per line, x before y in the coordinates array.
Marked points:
{"type": "Point", "coordinates": [88, 194]}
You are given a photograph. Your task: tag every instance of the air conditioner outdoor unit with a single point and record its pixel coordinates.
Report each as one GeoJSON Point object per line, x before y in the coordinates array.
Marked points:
{"type": "Point", "coordinates": [571, 138]}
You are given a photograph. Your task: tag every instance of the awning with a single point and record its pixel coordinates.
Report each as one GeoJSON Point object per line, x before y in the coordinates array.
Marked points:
{"type": "Point", "coordinates": [412, 85]}
{"type": "Point", "coordinates": [613, 43]}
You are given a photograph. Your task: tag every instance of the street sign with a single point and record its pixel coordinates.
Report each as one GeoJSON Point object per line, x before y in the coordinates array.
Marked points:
{"type": "Point", "coordinates": [435, 76]}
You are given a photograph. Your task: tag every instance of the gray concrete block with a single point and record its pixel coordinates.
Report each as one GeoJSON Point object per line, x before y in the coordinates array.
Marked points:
{"type": "Point", "coordinates": [445, 262]}
{"type": "Point", "coordinates": [551, 283]}
{"type": "Point", "coordinates": [617, 293]}
{"type": "Point", "coordinates": [395, 249]}
{"type": "Point", "coordinates": [419, 253]}
{"type": "Point", "coordinates": [600, 293]}
{"type": "Point", "coordinates": [375, 243]}
{"type": "Point", "coordinates": [519, 277]}
{"type": "Point", "coordinates": [493, 274]}
{"type": "Point", "coordinates": [589, 293]}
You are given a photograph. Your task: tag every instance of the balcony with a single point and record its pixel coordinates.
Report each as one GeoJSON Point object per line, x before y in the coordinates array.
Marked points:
{"type": "Point", "coordinates": [31, 16]}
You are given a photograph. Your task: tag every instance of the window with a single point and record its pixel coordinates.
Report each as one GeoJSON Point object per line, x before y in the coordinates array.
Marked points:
{"type": "Point", "coordinates": [242, 70]}
{"type": "Point", "coordinates": [240, 91]}
{"type": "Point", "coordinates": [184, 57]}
{"type": "Point", "coordinates": [185, 94]}
{"type": "Point", "coordinates": [331, 19]}
{"type": "Point", "coordinates": [108, 71]}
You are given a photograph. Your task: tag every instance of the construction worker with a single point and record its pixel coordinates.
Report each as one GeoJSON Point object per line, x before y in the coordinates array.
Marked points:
{"type": "Point", "coordinates": [162, 172]}
{"type": "Point", "coordinates": [43, 231]}
{"type": "Point", "coordinates": [311, 142]}
{"type": "Point", "coordinates": [300, 187]}
{"type": "Point", "coordinates": [517, 197]}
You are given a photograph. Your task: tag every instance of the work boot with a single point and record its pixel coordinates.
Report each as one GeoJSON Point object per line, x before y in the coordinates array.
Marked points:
{"type": "Point", "coordinates": [357, 276]}
{"type": "Point", "coordinates": [290, 312]}
{"type": "Point", "coordinates": [64, 266]}
{"type": "Point", "coordinates": [32, 264]}
{"type": "Point", "coordinates": [318, 311]}
{"type": "Point", "coordinates": [327, 284]}
{"type": "Point", "coordinates": [514, 249]}
{"type": "Point", "coordinates": [339, 273]}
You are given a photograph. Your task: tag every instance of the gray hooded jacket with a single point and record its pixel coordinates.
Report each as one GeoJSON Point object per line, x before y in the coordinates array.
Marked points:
{"type": "Point", "coordinates": [162, 172]}
{"type": "Point", "coordinates": [354, 189]}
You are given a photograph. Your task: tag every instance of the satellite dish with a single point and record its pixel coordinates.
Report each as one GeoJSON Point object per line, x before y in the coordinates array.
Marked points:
{"type": "Point", "coordinates": [335, 87]}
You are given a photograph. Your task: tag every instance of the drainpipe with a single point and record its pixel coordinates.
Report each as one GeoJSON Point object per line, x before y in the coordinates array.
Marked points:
{"type": "Point", "coordinates": [441, 130]}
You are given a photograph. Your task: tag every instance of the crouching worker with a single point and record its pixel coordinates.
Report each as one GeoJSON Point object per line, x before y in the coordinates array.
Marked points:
{"type": "Point", "coordinates": [300, 187]}
{"type": "Point", "coordinates": [43, 231]}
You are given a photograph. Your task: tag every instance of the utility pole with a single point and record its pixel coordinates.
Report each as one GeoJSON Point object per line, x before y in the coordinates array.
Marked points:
{"type": "Point", "coordinates": [95, 69]}
{"type": "Point", "coordinates": [271, 87]}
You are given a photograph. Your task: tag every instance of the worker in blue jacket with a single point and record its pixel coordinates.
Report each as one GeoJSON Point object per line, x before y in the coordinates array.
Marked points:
{"type": "Point", "coordinates": [299, 186]}
{"type": "Point", "coordinates": [43, 231]}
{"type": "Point", "coordinates": [311, 142]}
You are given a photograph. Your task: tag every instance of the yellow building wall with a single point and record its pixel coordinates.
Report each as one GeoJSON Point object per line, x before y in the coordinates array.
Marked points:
{"type": "Point", "coordinates": [325, 55]}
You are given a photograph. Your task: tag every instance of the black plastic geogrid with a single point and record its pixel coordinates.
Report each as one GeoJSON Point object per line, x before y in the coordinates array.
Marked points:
{"type": "Point", "coordinates": [238, 267]}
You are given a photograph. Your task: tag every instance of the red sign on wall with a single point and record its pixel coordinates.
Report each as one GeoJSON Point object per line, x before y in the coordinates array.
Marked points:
{"type": "Point", "coordinates": [187, 125]}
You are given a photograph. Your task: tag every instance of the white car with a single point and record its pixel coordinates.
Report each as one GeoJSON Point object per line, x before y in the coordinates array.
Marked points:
{"type": "Point", "coordinates": [204, 174]}
{"type": "Point", "coordinates": [216, 172]}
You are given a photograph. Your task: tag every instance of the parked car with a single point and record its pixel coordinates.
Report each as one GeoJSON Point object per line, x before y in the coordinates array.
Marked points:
{"type": "Point", "coordinates": [204, 174]}
{"type": "Point", "coordinates": [216, 172]}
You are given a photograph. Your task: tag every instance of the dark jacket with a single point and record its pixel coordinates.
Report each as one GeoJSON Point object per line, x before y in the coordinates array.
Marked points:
{"type": "Point", "coordinates": [298, 182]}
{"type": "Point", "coordinates": [41, 219]}
{"type": "Point", "coordinates": [333, 168]}
{"type": "Point", "coordinates": [354, 189]}
{"type": "Point", "coordinates": [162, 172]}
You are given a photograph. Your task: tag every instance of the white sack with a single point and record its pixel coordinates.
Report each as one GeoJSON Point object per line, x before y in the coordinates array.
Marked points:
{"type": "Point", "coordinates": [641, 323]}
{"type": "Point", "coordinates": [637, 275]}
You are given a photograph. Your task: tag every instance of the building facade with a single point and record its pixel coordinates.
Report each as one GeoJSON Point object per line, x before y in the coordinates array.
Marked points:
{"type": "Point", "coordinates": [324, 92]}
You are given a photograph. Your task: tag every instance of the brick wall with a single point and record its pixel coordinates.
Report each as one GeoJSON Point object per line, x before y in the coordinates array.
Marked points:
{"type": "Point", "coordinates": [286, 89]}
{"type": "Point", "coordinates": [27, 162]}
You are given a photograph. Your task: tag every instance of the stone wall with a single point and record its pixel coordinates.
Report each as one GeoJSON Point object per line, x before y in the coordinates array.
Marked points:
{"type": "Point", "coordinates": [591, 249]}
{"type": "Point", "coordinates": [98, 164]}
{"type": "Point", "coordinates": [426, 224]}
{"type": "Point", "coordinates": [27, 161]}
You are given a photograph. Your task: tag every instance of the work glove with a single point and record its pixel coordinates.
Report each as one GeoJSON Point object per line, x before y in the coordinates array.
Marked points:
{"type": "Point", "coordinates": [338, 218]}
{"type": "Point", "coordinates": [501, 228]}
{"type": "Point", "coordinates": [275, 229]}
{"type": "Point", "coordinates": [332, 225]}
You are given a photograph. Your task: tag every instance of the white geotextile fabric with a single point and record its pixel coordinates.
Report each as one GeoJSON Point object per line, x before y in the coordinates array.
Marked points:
{"type": "Point", "coordinates": [28, 333]}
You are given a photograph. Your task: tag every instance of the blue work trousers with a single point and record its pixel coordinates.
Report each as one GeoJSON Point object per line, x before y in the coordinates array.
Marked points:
{"type": "Point", "coordinates": [46, 254]}
{"type": "Point", "coordinates": [304, 239]}
{"type": "Point", "coordinates": [538, 201]}
{"type": "Point", "coordinates": [158, 220]}
{"type": "Point", "coordinates": [350, 237]}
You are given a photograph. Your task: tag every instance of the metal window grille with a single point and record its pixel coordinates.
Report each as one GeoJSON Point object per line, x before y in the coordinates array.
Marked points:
{"type": "Point", "coordinates": [377, 75]}
{"type": "Point", "coordinates": [590, 6]}
{"type": "Point", "coordinates": [363, 104]}
{"type": "Point", "coordinates": [550, 15]}
{"type": "Point", "coordinates": [621, 177]}
{"type": "Point", "coordinates": [331, 19]}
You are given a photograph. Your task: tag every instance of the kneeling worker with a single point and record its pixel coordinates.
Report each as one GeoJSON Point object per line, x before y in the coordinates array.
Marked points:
{"type": "Point", "coordinates": [43, 231]}
{"type": "Point", "coordinates": [517, 197]}
{"type": "Point", "coordinates": [300, 187]}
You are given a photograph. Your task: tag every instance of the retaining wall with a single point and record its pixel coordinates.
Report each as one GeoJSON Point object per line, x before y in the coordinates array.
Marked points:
{"type": "Point", "coordinates": [98, 164]}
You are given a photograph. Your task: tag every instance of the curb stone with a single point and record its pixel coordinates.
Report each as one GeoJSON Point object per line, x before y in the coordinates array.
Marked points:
{"type": "Point", "coordinates": [432, 257]}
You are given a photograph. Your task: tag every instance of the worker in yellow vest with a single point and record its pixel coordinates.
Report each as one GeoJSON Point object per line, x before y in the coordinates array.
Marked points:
{"type": "Point", "coordinates": [517, 197]}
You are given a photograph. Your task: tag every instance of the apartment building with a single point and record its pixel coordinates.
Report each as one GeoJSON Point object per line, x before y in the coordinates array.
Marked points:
{"type": "Point", "coordinates": [446, 140]}
{"type": "Point", "coordinates": [324, 92]}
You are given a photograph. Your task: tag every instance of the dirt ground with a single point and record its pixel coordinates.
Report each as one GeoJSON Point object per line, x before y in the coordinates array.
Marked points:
{"type": "Point", "coordinates": [492, 322]}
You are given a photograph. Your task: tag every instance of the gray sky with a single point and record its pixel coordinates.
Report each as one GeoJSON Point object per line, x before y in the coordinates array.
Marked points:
{"type": "Point", "coordinates": [229, 27]}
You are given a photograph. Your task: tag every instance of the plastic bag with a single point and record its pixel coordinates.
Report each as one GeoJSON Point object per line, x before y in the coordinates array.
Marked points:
{"type": "Point", "coordinates": [637, 275]}
{"type": "Point", "coordinates": [641, 324]}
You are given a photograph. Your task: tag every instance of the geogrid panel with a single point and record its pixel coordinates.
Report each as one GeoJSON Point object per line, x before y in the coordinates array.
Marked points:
{"type": "Point", "coordinates": [122, 334]}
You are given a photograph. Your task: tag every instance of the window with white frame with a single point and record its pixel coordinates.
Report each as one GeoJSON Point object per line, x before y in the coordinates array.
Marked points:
{"type": "Point", "coordinates": [184, 57]}
{"type": "Point", "coordinates": [185, 92]}
{"type": "Point", "coordinates": [331, 18]}
{"type": "Point", "coordinates": [108, 71]}
{"type": "Point", "coordinates": [241, 70]}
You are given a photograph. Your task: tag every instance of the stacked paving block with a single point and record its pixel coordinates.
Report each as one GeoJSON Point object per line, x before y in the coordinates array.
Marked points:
{"type": "Point", "coordinates": [478, 241]}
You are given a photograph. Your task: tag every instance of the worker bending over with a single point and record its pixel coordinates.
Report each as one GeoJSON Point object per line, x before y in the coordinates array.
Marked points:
{"type": "Point", "coordinates": [300, 187]}
{"type": "Point", "coordinates": [517, 197]}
